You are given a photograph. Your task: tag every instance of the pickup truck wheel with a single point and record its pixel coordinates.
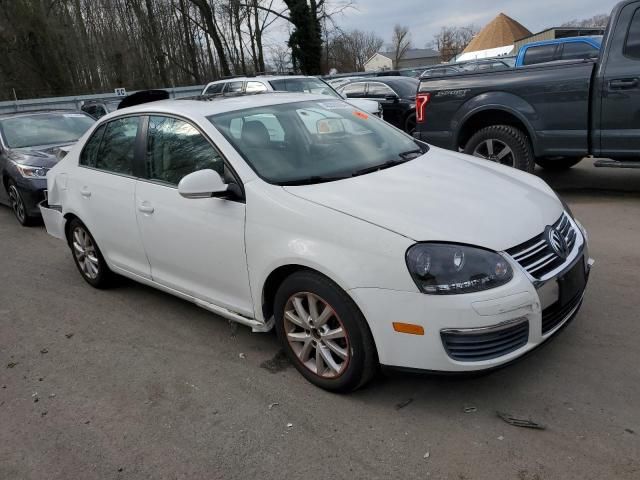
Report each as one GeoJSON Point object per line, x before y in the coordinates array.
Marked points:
{"type": "Point", "coordinates": [323, 333]}
{"type": "Point", "coordinates": [558, 163]}
{"type": "Point", "coordinates": [502, 144]}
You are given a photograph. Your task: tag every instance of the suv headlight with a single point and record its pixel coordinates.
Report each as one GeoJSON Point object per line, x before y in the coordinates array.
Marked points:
{"type": "Point", "coordinates": [28, 171]}
{"type": "Point", "coordinates": [447, 269]}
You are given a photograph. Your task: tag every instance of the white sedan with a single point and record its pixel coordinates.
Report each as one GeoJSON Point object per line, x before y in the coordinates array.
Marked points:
{"type": "Point", "coordinates": [363, 246]}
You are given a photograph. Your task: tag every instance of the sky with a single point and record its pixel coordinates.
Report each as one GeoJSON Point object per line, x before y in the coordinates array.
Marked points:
{"type": "Point", "coordinates": [425, 17]}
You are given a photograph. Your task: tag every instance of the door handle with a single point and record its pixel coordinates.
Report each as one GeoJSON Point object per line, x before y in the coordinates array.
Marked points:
{"type": "Point", "coordinates": [623, 83]}
{"type": "Point", "coordinates": [85, 192]}
{"type": "Point", "coordinates": [146, 208]}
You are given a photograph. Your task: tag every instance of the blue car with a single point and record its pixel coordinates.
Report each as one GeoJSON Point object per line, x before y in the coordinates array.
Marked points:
{"type": "Point", "coordinates": [570, 48]}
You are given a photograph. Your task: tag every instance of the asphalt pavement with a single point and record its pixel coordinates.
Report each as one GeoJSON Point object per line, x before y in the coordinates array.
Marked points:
{"type": "Point", "coordinates": [131, 383]}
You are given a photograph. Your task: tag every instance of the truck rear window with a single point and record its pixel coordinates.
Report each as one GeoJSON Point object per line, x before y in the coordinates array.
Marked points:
{"type": "Point", "coordinates": [540, 54]}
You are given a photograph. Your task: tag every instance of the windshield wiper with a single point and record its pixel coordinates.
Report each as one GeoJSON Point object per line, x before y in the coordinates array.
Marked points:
{"type": "Point", "coordinates": [312, 180]}
{"type": "Point", "coordinates": [411, 154]}
{"type": "Point", "coordinates": [375, 168]}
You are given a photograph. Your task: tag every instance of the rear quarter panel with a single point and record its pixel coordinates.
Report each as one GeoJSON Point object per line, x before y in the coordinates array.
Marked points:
{"type": "Point", "coordinates": [552, 101]}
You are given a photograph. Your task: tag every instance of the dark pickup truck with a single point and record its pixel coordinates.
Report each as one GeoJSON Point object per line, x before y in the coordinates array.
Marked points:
{"type": "Point", "coordinates": [551, 114]}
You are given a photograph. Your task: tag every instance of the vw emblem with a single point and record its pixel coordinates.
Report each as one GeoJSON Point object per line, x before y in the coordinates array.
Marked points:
{"type": "Point", "coordinates": [556, 241]}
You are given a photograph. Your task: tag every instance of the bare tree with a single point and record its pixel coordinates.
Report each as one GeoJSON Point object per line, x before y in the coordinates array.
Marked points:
{"type": "Point", "coordinates": [348, 51]}
{"type": "Point", "coordinates": [281, 58]}
{"type": "Point", "coordinates": [600, 20]}
{"type": "Point", "coordinates": [400, 43]}
{"type": "Point", "coordinates": [451, 41]}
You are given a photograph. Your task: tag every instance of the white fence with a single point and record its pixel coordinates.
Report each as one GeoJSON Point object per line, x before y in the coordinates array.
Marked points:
{"type": "Point", "coordinates": [76, 102]}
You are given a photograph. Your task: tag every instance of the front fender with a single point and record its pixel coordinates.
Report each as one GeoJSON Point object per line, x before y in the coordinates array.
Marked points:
{"type": "Point", "coordinates": [282, 229]}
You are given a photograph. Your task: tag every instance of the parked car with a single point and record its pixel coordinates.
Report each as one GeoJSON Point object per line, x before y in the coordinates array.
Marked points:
{"type": "Point", "coordinates": [285, 83]}
{"type": "Point", "coordinates": [397, 95]}
{"type": "Point", "coordinates": [299, 211]}
{"type": "Point", "coordinates": [570, 48]}
{"type": "Point", "coordinates": [338, 82]}
{"type": "Point", "coordinates": [99, 108]}
{"type": "Point", "coordinates": [30, 144]}
{"type": "Point", "coordinates": [552, 114]}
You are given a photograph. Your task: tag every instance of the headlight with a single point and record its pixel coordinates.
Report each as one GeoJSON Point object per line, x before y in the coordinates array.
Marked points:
{"type": "Point", "coordinates": [32, 172]}
{"type": "Point", "coordinates": [447, 269]}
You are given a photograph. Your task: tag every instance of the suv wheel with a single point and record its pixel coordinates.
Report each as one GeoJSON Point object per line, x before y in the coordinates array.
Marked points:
{"type": "Point", "coordinates": [324, 333]}
{"type": "Point", "coordinates": [502, 144]}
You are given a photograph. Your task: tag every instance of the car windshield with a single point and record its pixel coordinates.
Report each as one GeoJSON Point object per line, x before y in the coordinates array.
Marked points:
{"type": "Point", "coordinates": [314, 141]}
{"type": "Point", "coordinates": [44, 129]}
{"type": "Point", "coordinates": [304, 85]}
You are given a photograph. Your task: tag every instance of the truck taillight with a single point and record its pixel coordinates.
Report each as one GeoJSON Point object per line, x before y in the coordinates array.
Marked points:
{"type": "Point", "coordinates": [422, 100]}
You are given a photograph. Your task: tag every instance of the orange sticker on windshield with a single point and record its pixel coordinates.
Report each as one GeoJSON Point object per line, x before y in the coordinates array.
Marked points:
{"type": "Point", "coordinates": [361, 115]}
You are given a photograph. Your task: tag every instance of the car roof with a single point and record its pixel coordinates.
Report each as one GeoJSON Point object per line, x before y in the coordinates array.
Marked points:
{"type": "Point", "coordinates": [212, 105]}
{"type": "Point", "coordinates": [39, 112]}
{"type": "Point", "coordinates": [261, 77]}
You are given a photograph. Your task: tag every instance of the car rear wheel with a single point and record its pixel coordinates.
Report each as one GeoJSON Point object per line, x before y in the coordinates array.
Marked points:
{"type": "Point", "coordinates": [558, 163]}
{"type": "Point", "coordinates": [503, 144]}
{"type": "Point", "coordinates": [87, 256]}
{"type": "Point", "coordinates": [18, 206]}
{"type": "Point", "coordinates": [324, 333]}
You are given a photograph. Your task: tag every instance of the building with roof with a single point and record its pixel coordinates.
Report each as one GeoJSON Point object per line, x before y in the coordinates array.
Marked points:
{"type": "Point", "coordinates": [558, 32]}
{"type": "Point", "coordinates": [495, 39]}
{"type": "Point", "coordinates": [414, 57]}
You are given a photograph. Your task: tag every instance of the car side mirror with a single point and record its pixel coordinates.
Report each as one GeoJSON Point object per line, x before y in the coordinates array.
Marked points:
{"type": "Point", "coordinates": [391, 97]}
{"type": "Point", "coordinates": [203, 184]}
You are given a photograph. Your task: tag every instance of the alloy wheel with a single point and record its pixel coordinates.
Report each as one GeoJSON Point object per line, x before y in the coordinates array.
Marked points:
{"type": "Point", "coordinates": [15, 200]}
{"type": "Point", "coordinates": [316, 335]}
{"type": "Point", "coordinates": [495, 151]}
{"type": "Point", "coordinates": [85, 253]}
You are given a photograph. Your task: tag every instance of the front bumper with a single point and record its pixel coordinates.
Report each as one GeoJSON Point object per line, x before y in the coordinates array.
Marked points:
{"type": "Point", "coordinates": [32, 192]}
{"type": "Point", "coordinates": [497, 326]}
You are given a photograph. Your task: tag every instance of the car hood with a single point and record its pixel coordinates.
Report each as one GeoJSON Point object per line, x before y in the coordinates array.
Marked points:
{"type": "Point", "coordinates": [369, 106]}
{"type": "Point", "coordinates": [445, 196]}
{"type": "Point", "coordinates": [45, 156]}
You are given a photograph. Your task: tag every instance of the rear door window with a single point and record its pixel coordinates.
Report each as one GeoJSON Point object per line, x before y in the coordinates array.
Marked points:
{"type": "Point", "coordinates": [539, 54]}
{"type": "Point", "coordinates": [379, 90]}
{"type": "Point", "coordinates": [89, 154]}
{"type": "Point", "coordinates": [354, 90]}
{"type": "Point", "coordinates": [175, 149]}
{"type": "Point", "coordinates": [578, 50]}
{"type": "Point", "coordinates": [253, 87]}
{"type": "Point", "coordinates": [233, 87]}
{"type": "Point", "coordinates": [117, 149]}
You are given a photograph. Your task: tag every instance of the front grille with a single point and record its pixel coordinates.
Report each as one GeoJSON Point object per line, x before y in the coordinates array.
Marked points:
{"type": "Point", "coordinates": [474, 346]}
{"type": "Point", "coordinates": [536, 255]}
{"type": "Point", "coordinates": [553, 315]}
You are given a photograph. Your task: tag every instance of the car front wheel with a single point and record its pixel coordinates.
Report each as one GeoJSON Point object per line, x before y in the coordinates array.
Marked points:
{"type": "Point", "coordinates": [87, 256]}
{"type": "Point", "coordinates": [324, 333]}
{"type": "Point", "coordinates": [17, 204]}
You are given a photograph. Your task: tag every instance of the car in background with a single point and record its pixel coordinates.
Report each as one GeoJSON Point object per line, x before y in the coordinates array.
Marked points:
{"type": "Point", "coordinates": [480, 65]}
{"type": "Point", "coordinates": [30, 144]}
{"type": "Point", "coordinates": [570, 48]}
{"type": "Point", "coordinates": [396, 95]}
{"type": "Point", "coordinates": [338, 82]}
{"type": "Point", "coordinates": [99, 108]}
{"type": "Point", "coordinates": [285, 83]}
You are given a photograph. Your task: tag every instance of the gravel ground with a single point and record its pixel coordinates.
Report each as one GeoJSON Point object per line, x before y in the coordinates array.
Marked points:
{"type": "Point", "coordinates": [132, 383]}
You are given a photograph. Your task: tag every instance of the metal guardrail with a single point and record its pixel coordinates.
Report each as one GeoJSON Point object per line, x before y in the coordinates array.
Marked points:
{"type": "Point", "coordinates": [75, 102]}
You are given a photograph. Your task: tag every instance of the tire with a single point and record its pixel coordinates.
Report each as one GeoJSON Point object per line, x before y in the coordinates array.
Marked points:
{"type": "Point", "coordinates": [342, 334]}
{"type": "Point", "coordinates": [88, 257]}
{"type": "Point", "coordinates": [558, 164]}
{"type": "Point", "coordinates": [18, 206]}
{"type": "Point", "coordinates": [491, 143]}
{"type": "Point", "coordinates": [410, 123]}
